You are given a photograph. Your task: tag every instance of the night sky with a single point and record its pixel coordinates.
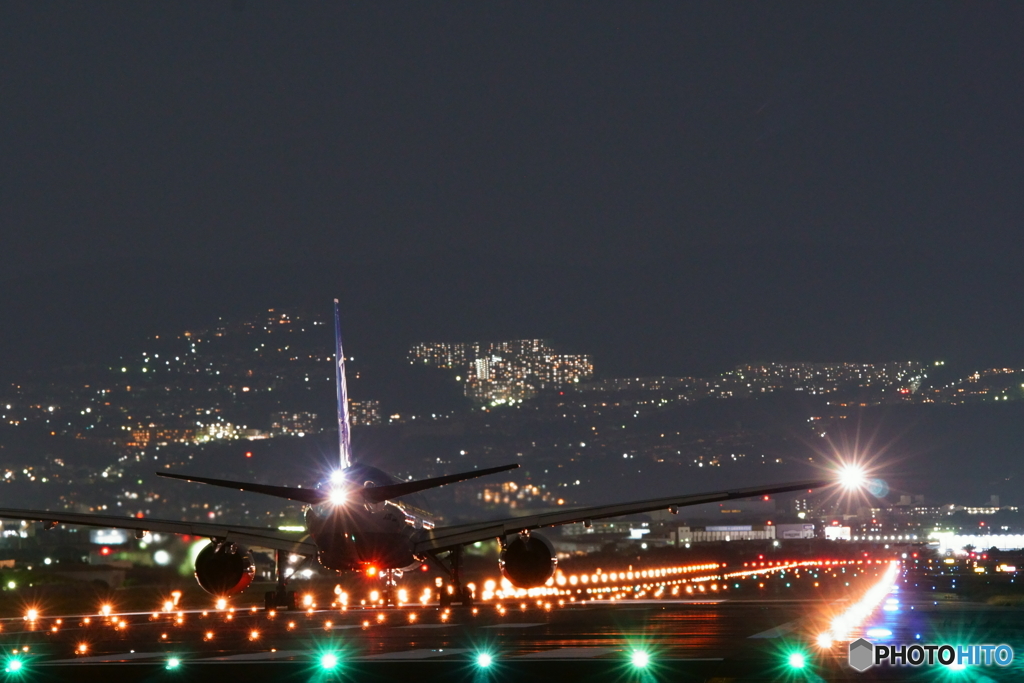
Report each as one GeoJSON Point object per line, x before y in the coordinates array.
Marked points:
{"type": "Point", "coordinates": [674, 187]}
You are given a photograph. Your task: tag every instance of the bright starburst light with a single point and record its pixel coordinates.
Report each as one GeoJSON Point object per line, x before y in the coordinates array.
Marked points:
{"type": "Point", "coordinates": [853, 477]}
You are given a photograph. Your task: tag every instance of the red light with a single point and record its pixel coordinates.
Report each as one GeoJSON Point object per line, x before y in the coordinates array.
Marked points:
{"type": "Point", "coordinates": [371, 571]}
{"type": "Point", "coordinates": [248, 454]}
{"type": "Point", "coordinates": [104, 551]}
{"type": "Point", "coordinates": [424, 567]}
{"type": "Point", "coordinates": [769, 522]}
{"type": "Point", "coordinates": [139, 515]}
{"type": "Point", "coordinates": [765, 498]}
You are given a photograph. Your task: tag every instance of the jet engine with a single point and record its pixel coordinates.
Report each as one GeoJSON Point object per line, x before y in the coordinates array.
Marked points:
{"type": "Point", "coordinates": [528, 561]}
{"type": "Point", "coordinates": [224, 569]}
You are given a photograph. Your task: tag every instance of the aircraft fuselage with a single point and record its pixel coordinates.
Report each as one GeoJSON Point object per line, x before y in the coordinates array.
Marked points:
{"type": "Point", "coordinates": [354, 536]}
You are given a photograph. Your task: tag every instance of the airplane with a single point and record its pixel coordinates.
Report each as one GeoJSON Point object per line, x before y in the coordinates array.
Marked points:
{"type": "Point", "coordinates": [355, 522]}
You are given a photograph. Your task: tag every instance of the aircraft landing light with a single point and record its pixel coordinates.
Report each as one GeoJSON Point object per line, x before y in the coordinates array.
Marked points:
{"type": "Point", "coordinates": [852, 477]}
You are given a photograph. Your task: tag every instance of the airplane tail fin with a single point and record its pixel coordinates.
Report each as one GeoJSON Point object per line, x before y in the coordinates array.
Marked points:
{"type": "Point", "coordinates": [344, 432]}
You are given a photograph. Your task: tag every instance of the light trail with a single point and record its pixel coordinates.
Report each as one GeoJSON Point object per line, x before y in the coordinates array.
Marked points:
{"type": "Point", "coordinates": [842, 626]}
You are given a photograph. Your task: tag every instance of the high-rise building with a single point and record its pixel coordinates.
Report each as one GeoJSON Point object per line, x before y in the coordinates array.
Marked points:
{"type": "Point", "coordinates": [505, 371]}
{"type": "Point", "coordinates": [364, 413]}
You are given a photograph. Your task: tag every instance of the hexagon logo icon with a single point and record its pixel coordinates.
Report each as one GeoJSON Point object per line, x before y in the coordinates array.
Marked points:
{"type": "Point", "coordinates": [862, 654]}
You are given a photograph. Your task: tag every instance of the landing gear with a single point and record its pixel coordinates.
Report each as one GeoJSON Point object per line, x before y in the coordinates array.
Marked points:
{"type": "Point", "coordinates": [389, 580]}
{"type": "Point", "coordinates": [455, 592]}
{"type": "Point", "coordinates": [281, 597]}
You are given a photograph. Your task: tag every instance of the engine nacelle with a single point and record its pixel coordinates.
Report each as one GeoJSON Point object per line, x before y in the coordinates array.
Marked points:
{"type": "Point", "coordinates": [224, 569]}
{"type": "Point", "coordinates": [528, 561]}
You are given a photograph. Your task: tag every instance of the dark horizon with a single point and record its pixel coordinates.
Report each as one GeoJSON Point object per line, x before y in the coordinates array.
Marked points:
{"type": "Point", "coordinates": [700, 314]}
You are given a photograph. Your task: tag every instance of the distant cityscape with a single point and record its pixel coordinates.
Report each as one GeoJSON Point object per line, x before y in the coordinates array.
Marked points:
{"type": "Point", "coordinates": [268, 379]}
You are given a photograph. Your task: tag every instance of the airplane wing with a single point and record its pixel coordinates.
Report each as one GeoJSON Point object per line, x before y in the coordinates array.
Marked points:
{"type": "Point", "coordinates": [271, 539]}
{"type": "Point", "coordinates": [444, 538]}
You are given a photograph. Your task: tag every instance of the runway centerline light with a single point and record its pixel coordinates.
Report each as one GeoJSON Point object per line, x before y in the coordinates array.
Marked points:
{"type": "Point", "coordinates": [484, 660]}
{"type": "Point", "coordinates": [329, 661]}
{"type": "Point", "coordinates": [640, 659]}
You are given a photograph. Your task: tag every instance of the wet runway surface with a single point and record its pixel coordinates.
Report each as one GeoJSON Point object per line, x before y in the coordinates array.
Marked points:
{"type": "Point", "coordinates": [735, 638]}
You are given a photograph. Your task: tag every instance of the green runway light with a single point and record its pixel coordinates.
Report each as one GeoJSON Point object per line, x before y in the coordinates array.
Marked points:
{"type": "Point", "coordinates": [173, 663]}
{"type": "Point", "coordinates": [329, 661]}
{"type": "Point", "coordinates": [797, 660]}
{"type": "Point", "coordinates": [484, 660]}
{"type": "Point", "coordinates": [640, 659]}
{"type": "Point", "coordinates": [13, 665]}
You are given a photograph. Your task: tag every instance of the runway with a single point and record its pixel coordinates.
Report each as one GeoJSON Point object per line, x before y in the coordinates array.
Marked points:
{"type": "Point", "coordinates": [748, 635]}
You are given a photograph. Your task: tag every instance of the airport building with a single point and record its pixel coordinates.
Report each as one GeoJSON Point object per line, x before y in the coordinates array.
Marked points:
{"type": "Point", "coordinates": [733, 532]}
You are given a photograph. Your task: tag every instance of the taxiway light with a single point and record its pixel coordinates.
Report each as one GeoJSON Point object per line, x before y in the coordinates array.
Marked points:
{"type": "Point", "coordinates": [329, 661]}
{"type": "Point", "coordinates": [640, 659]}
{"type": "Point", "coordinates": [797, 660]}
{"type": "Point", "coordinates": [484, 660]}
